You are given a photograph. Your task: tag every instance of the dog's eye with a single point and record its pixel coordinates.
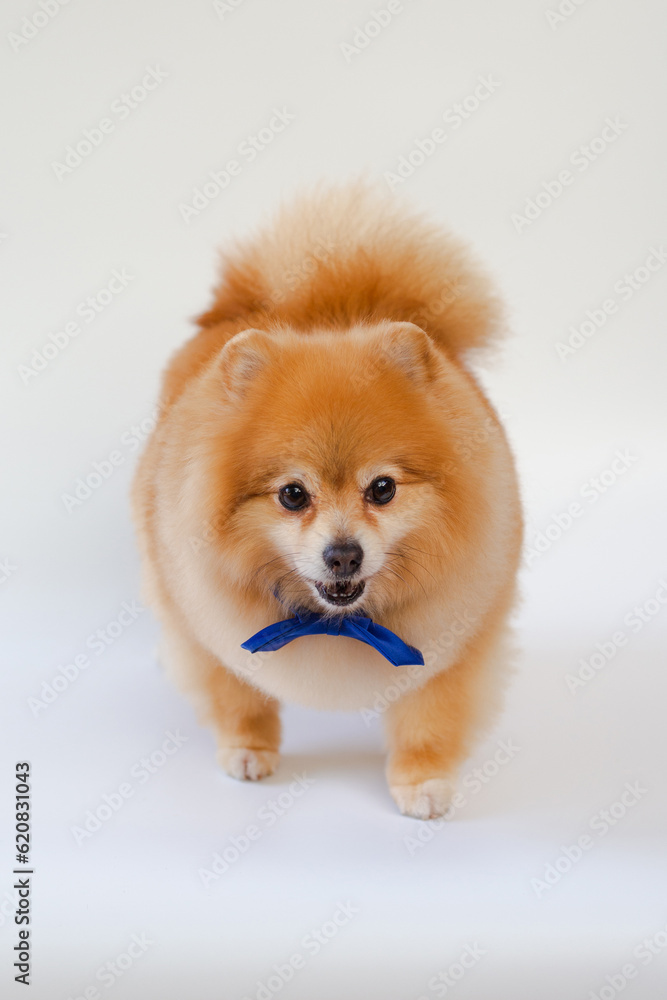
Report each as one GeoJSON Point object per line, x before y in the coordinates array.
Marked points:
{"type": "Point", "coordinates": [381, 490]}
{"type": "Point", "coordinates": [293, 496]}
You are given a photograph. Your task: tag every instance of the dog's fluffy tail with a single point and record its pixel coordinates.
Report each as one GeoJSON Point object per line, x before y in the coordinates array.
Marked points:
{"type": "Point", "coordinates": [347, 255]}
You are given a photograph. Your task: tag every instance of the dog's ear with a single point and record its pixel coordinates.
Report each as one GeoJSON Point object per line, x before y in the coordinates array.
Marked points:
{"type": "Point", "coordinates": [409, 348]}
{"type": "Point", "coordinates": [242, 359]}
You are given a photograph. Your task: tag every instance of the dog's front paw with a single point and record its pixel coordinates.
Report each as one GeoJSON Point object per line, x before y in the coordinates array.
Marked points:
{"type": "Point", "coordinates": [425, 800]}
{"type": "Point", "coordinates": [247, 764]}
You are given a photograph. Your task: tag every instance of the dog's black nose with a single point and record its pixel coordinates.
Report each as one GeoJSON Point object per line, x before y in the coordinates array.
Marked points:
{"type": "Point", "coordinates": [343, 558]}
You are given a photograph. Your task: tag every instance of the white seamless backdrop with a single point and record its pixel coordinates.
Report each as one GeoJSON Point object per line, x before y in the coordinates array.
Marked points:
{"type": "Point", "coordinates": [138, 138]}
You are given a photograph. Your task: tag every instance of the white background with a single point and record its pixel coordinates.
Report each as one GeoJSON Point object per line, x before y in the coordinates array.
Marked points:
{"type": "Point", "coordinates": [70, 571]}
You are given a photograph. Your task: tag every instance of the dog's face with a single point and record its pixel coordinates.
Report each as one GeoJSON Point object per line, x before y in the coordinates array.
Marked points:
{"type": "Point", "coordinates": [331, 479]}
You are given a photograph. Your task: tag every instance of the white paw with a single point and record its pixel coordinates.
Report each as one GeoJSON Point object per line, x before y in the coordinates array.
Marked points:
{"type": "Point", "coordinates": [246, 764]}
{"type": "Point", "coordinates": [426, 800]}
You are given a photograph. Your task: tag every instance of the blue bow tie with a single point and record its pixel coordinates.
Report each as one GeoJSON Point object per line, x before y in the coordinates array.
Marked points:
{"type": "Point", "coordinates": [355, 626]}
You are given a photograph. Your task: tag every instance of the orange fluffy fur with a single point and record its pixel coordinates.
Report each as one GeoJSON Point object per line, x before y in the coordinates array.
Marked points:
{"type": "Point", "coordinates": [333, 354]}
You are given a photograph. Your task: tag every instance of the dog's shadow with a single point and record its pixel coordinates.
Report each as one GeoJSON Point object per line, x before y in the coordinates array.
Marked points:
{"type": "Point", "coordinates": [361, 773]}
{"type": "Point", "coordinates": [327, 763]}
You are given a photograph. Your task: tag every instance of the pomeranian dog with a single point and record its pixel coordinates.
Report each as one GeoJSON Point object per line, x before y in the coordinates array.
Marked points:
{"type": "Point", "coordinates": [323, 451]}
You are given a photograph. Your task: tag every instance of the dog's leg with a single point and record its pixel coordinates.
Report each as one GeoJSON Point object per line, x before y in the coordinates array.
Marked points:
{"type": "Point", "coordinates": [431, 730]}
{"type": "Point", "coordinates": [246, 722]}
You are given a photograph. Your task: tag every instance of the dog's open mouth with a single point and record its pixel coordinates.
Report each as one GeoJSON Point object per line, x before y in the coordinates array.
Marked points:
{"type": "Point", "coordinates": [342, 592]}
